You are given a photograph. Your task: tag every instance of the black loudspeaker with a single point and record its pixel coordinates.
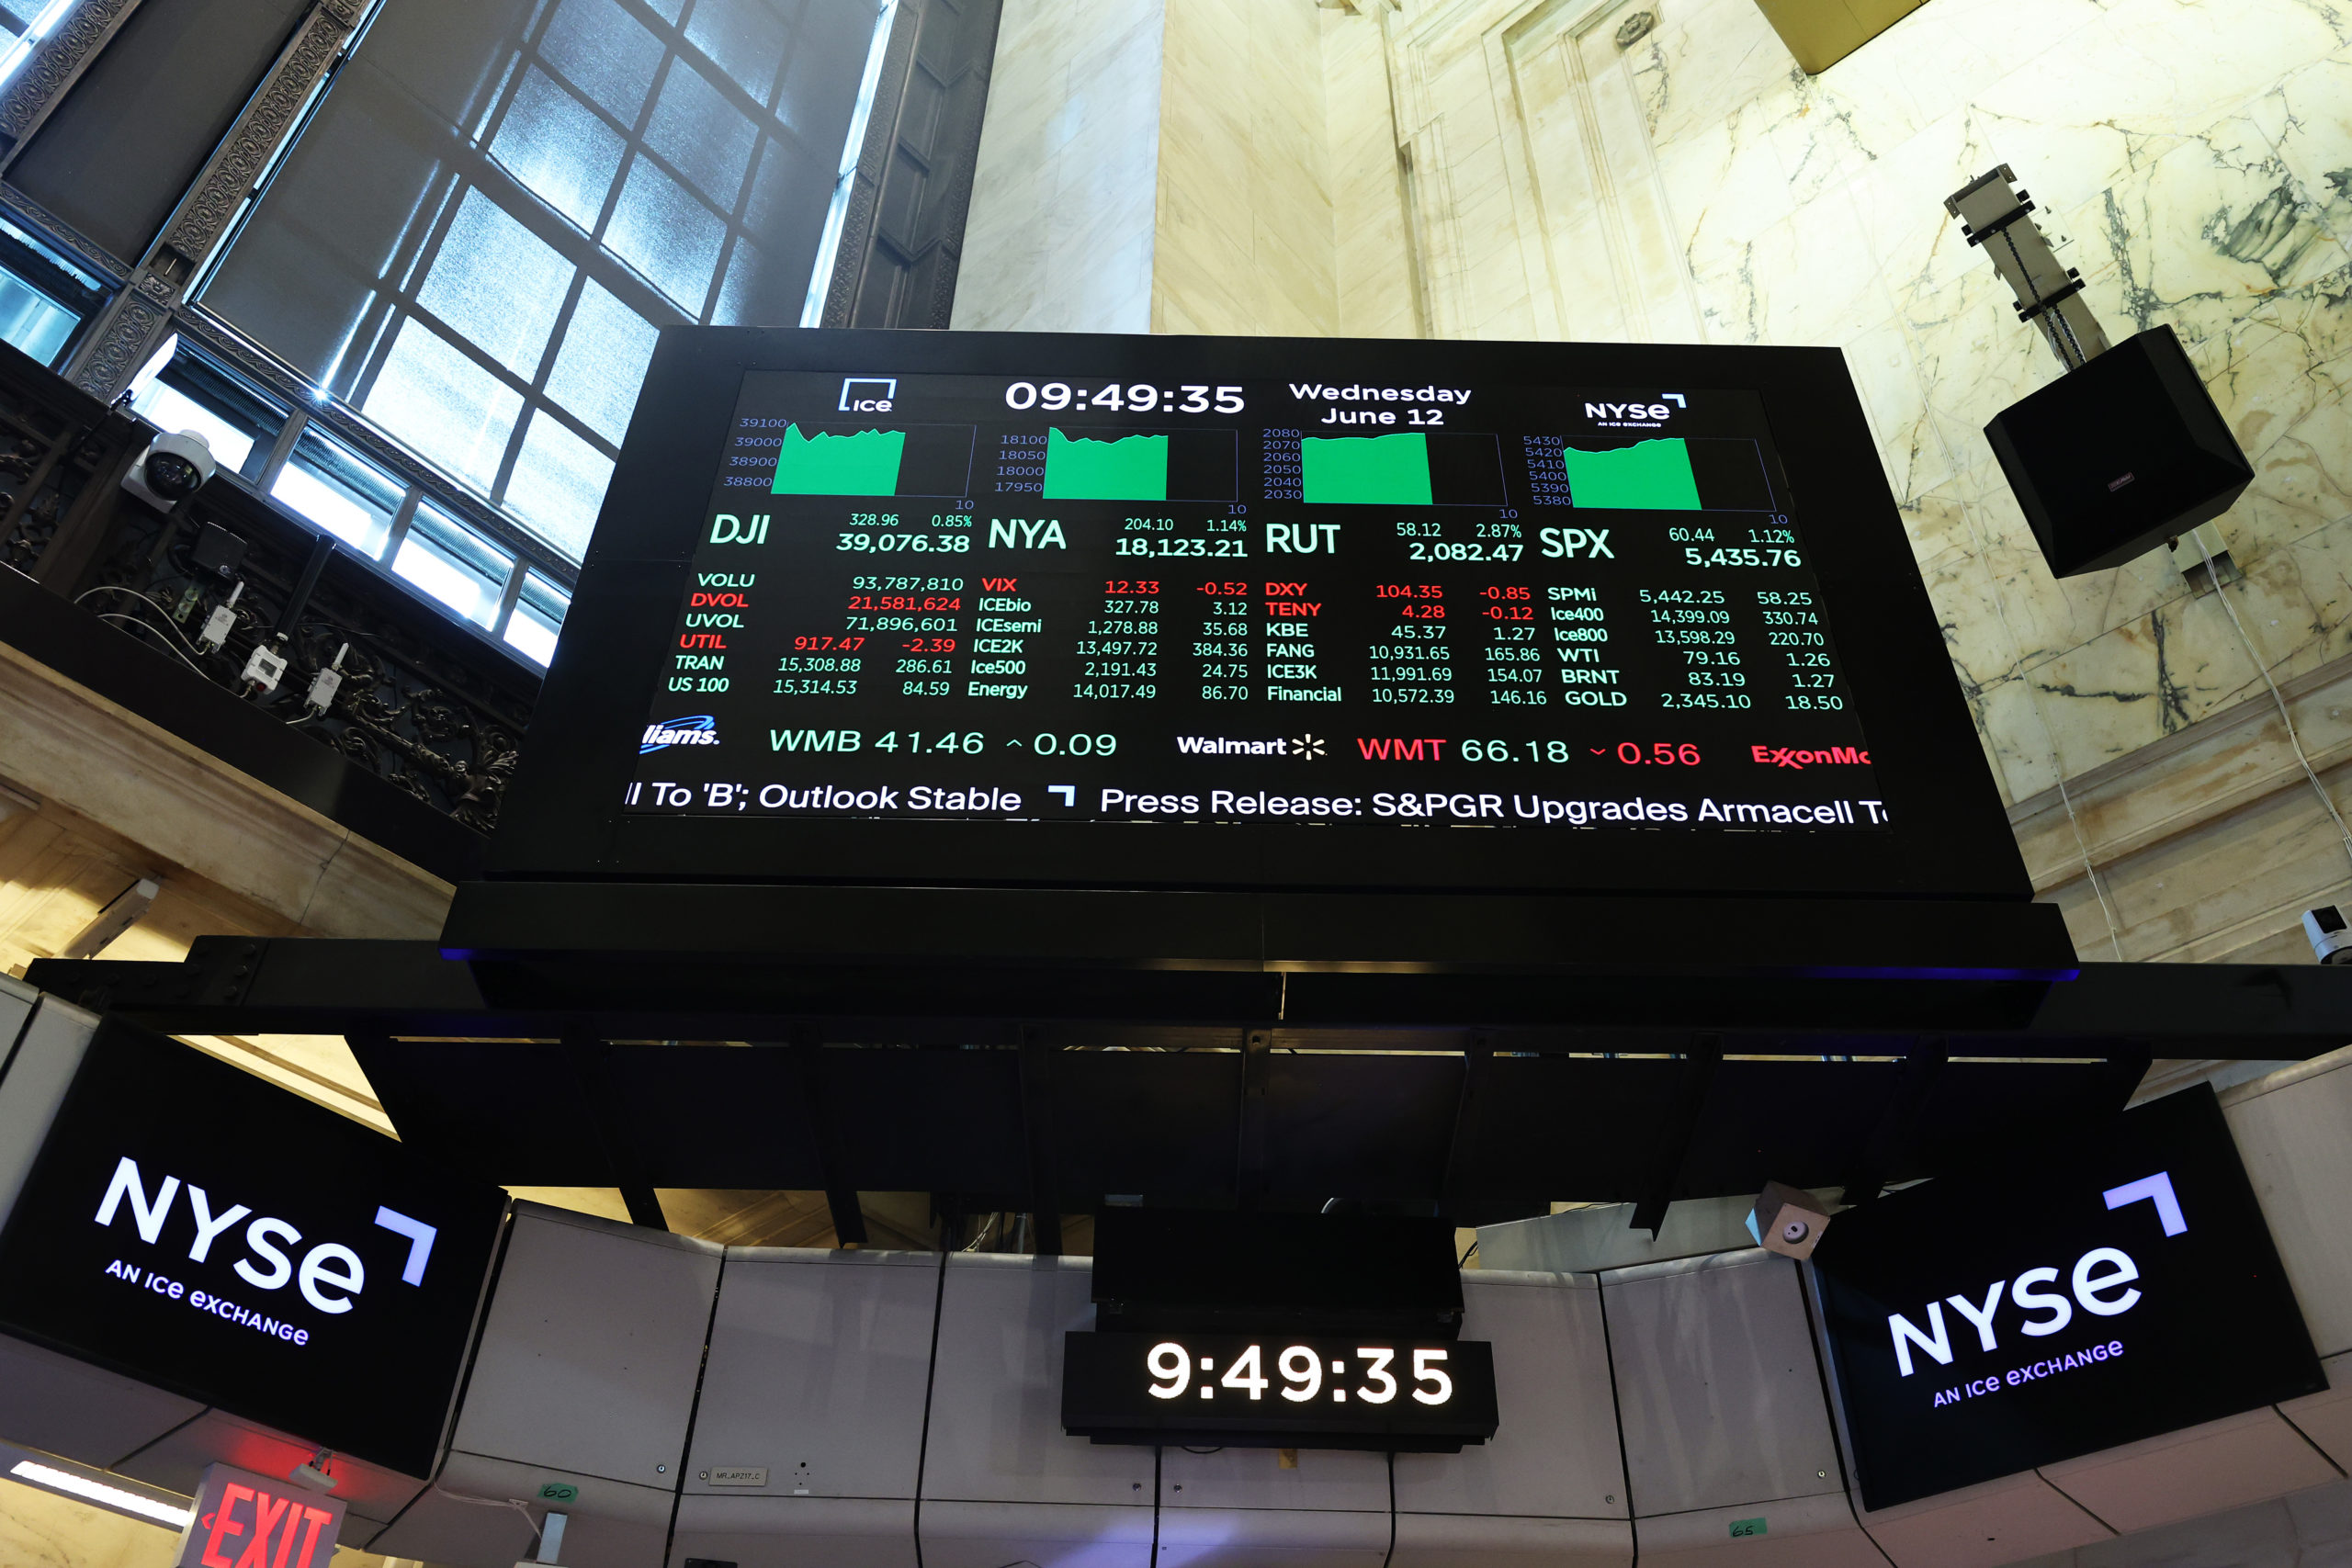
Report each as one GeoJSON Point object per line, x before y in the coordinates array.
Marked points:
{"type": "Point", "coordinates": [1252, 1271]}
{"type": "Point", "coordinates": [2119, 455]}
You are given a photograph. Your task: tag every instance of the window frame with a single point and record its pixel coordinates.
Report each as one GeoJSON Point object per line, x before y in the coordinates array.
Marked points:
{"type": "Point", "coordinates": [309, 412]}
{"type": "Point", "coordinates": [467, 164]}
{"type": "Point", "coordinates": [44, 268]}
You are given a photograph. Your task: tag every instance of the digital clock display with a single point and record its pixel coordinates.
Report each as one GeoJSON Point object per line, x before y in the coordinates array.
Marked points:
{"type": "Point", "coordinates": [1442, 601]}
{"type": "Point", "coordinates": [1311, 1390]}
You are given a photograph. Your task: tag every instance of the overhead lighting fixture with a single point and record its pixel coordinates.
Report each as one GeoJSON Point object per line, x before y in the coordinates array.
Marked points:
{"type": "Point", "coordinates": [98, 1492]}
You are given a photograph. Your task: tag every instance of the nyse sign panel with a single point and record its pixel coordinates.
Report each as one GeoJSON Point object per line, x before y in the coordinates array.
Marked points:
{"type": "Point", "coordinates": [1289, 1391]}
{"type": "Point", "coordinates": [197, 1228]}
{"type": "Point", "coordinates": [2099, 1295]}
{"type": "Point", "coordinates": [1181, 611]}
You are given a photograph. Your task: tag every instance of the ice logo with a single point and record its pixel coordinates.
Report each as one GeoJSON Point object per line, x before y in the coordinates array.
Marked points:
{"type": "Point", "coordinates": [701, 729]}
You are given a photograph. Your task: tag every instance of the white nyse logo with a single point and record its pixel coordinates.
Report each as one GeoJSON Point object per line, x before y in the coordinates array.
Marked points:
{"type": "Point", "coordinates": [1612, 412]}
{"type": "Point", "coordinates": [327, 1269]}
{"type": "Point", "coordinates": [2100, 1283]}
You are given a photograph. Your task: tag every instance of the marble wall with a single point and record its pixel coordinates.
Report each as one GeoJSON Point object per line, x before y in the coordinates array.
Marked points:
{"type": "Point", "coordinates": [1245, 241]}
{"type": "Point", "coordinates": [1060, 235]}
{"type": "Point", "coordinates": [1660, 169]}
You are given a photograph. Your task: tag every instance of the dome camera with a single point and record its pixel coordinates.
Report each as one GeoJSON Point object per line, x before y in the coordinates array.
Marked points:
{"type": "Point", "coordinates": [2330, 938]}
{"type": "Point", "coordinates": [172, 468]}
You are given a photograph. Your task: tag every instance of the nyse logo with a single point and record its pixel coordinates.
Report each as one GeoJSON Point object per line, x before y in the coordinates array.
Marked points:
{"type": "Point", "coordinates": [1647, 413]}
{"type": "Point", "coordinates": [868, 394]}
{"type": "Point", "coordinates": [330, 1274]}
{"type": "Point", "coordinates": [2099, 1282]}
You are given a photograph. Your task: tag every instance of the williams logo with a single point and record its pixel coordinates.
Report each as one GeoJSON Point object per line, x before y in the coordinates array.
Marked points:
{"type": "Point", "coordinates": [702, 729]}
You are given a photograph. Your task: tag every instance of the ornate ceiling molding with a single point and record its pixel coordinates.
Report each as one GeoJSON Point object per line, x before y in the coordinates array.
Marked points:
{"type": "Point", "coordinates": [237, 164]}
{"type": "Point", "coordinates": [56, 64]}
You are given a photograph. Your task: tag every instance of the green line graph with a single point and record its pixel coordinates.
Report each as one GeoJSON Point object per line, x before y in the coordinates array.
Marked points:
{"type": "Point", "coordinates": [1366, 471]}
{"type": "Point", "coordinates": [1129, 467]}
{"type": "Point", "coordinates": [863, 463]}
{"type": "Point", "coordinates": [1648, 476]}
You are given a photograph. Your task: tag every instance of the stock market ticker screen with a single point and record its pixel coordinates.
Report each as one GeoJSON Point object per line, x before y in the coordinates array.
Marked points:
{"type": "Point", "coordinates": [1023, 598]}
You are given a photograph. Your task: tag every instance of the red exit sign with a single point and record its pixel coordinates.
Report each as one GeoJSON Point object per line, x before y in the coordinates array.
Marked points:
{"type": "Point", "coordinates": [243, 1520]}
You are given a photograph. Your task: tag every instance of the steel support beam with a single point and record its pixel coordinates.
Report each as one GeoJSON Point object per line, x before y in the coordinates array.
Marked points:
{"type": "Point", "coordinates": [841, 1192]}
{"type": "Point", "coordinates": [592, 1066]}
{"type": "Point", "coordinates": [1899, 1122]}
{"type": "Point", "coordinates": [1037, 1135]}
{"type": "Point", "coordinates": [1676, 1131]}
{"type": "Point", "coordinates": [1461, 1156]}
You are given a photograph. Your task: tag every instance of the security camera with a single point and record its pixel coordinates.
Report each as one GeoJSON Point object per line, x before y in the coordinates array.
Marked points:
{"type": "Point", "coordinates": [1787, 1220]}
{"type": "Point", "coordinates": [2331, 940]}
{"type": "Point", "coordinates": [172, 468]}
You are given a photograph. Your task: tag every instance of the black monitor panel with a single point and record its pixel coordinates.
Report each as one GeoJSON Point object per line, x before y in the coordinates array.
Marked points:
{"type": "Point", "coordinates": [1189, 612]}
{"type": "Point", "coordinates": [2114, 1288]}
{"type": "Point", "coordinates": [197, 1228]}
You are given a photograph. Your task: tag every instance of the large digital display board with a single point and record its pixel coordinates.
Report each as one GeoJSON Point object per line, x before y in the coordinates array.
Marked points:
{"type": "Point", "coordinates": [202, 1230]}
{"type": "Point", "coordinates": [1006, 600]}
{"type": "Point", "coordinates": [1191, 612]}
{"type": "Point", "coordinates": [2118, 1289]}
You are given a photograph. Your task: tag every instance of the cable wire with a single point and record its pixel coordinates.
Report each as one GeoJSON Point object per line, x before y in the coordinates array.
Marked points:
{"type": "Point", "coordinates": [160, 608]}
{"type": "Point", "coordinates": [133, 621]}
{"type": "Point", "coordinates": [514, 1502]}
{"type": "Point", "coordinates": [1391, 1554]}
{"type": "Point", "coordinates": [2050, 736]}
{"type": "Point", "coordinates": [2214, 575]}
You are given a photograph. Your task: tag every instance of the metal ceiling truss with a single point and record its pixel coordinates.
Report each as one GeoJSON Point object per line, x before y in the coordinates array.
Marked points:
{"type": "Point", "coordinates": [1050, 1091]}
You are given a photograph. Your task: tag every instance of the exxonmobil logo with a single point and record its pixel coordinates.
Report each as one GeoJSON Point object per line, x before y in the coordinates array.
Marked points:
{"type": "Point", "coordinates": [1789, 757]}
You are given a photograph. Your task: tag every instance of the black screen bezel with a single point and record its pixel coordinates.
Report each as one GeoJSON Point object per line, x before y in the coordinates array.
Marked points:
{"type": "Point", "coordinates": [386, 1395]}
{"type": "Point", "coordinates": [2225, 1336]}
{"type": "Point", "coordinates": [562, 817]}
